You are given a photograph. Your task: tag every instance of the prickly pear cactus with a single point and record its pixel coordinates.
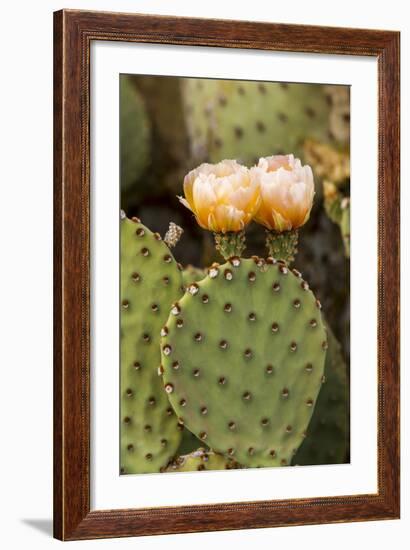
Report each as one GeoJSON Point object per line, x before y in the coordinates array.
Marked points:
{"type": "Point", "coordinates": [243, 356]}
{"type": "Point", "coordinates": [201, 459]}
{"type": "Point", "coordinates": [135, 135]}
{"type": "Point", "coordinates": [327, 440]}
{"type": "Point", "coordinates": [247, 120]}
{"type": "Point", "coordinates": [150, 280]}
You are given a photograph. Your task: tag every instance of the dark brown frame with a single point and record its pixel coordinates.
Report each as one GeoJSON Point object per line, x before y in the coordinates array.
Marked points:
{"type": "Point", "coordinates": [73, 33]}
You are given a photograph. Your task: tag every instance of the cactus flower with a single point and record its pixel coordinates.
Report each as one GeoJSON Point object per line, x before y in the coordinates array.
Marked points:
{"type": "Point", "coordinates": [286, 190]}
{"type": "Point", "coordinates": [222, 196]}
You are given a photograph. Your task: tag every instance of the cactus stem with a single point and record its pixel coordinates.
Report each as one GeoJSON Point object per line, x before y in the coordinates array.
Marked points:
{"type": "Point", "coordinates": [231, 244]}
{"type": "Point", "coordinates": [282, 246]}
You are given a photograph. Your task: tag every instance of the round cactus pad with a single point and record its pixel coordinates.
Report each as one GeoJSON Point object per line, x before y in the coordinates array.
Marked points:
{"type": "Point", "coordinates": [243, 356]}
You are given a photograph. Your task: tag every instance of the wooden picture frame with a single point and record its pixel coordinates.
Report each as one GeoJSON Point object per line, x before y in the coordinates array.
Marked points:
{"type": "Point", "coordinates": [74, 32]}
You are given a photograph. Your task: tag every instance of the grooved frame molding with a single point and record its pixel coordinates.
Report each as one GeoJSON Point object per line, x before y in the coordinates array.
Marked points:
{"type": "Point", "coordinates": [73, 33]}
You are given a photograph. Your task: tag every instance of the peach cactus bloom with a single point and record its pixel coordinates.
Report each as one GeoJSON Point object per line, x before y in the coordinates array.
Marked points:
{"type": "Point", "coordinates": [222, 196]}
{"type": "Point", "coordinates": [286, 189]}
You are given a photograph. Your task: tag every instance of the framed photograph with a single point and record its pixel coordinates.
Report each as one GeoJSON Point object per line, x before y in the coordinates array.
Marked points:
{"type": "Point", "coordinates": [226, 288]}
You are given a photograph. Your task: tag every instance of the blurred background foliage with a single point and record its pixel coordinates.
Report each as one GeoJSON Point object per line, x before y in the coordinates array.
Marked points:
{"type": "Point", "coordinates": [169, 125]}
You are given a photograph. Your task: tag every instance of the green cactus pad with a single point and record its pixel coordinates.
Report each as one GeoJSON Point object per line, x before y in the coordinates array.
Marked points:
{"type": "Point", "coordinates": [201, 459]}
{"type": "Point", "coordinates": [246, 120]}
{"type": "Point", "coordinates": [327, 440]}
{"type": "Point", "coordinates": [243, 356]}
{"type": "Point", "coordinates": [150, 281]}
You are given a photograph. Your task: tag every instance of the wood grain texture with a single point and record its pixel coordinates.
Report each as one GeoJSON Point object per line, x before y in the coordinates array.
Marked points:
{"type": "Point", "coordinates": [73, 33]}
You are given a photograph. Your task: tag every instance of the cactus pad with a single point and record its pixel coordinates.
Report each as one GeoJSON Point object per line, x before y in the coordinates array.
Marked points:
{"type": "Point", "coordinates": [150, 280]}
{"type": "Point", "coordinates": [243, 355]}
{"type": "Point", "coordinates": [201, 459]}
{"type": "Point", "coordinates": [246, 120]}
